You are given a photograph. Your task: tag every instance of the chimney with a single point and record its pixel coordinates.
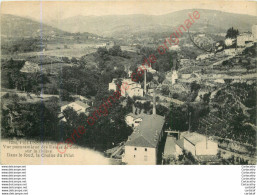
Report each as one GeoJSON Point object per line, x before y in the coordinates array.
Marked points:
{"type": "Point", "coordinates": [154, 103]}
{"type": "Point", "coordinates": [133, 109]}
{"type": "Point", "coordinates": [145, 81]}
{"type": "Point", "coordinates": [189, 128]}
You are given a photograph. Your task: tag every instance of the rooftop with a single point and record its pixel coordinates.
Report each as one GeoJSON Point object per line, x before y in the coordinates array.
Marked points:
{"type": "Point", "coordinates": [78, 103]}
{"type": "Point", "coordinates": [194, 138]}
{"type": "Point", "coordinates": [170, 148]}
{"type": "Point", "coordinates": [82, 104]}
{"type": "Point", "coordinates": [148, 132]}
{"type": "Point", "coordinates": [180, 143]}
{"type": "Point", "coordinates": [135, 116]}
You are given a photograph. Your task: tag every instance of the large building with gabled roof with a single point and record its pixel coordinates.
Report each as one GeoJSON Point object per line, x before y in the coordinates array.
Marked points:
{"type": "Point", "coordinates": [142, 145]}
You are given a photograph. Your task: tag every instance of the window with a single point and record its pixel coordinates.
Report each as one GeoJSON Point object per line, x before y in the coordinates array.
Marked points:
{"type": "Point", "coordinates": [146, 149]}
{"type": "Point", "coordinates": [145, 158]}
{"type": "Point", "coordinates": [135, 148]}
{"type": "Point", "coordinates": [134, 156]}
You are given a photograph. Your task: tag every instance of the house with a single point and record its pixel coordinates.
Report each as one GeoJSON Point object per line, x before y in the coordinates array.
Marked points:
{"type": "Point", "coordinates": [30, 67]}
{"type": "Point", "coordinates": [77, 106]}
{"type": "Point", "coordinates": [133, 120]}
{"type": "Point", "coordinates": [229, 42]}
{"type": "Point", "coordinates": [197, 144]}
{"type": "Point", "coordinates": [134, 91]}
{"type": "Point", "coordinates": [243, 38]}
{"type": "Point", "coordinates": [112, 85]}
{"type": "Point", "coordinates": [133, 88]}
{"type": "Point", "coordinates": [142, 145]}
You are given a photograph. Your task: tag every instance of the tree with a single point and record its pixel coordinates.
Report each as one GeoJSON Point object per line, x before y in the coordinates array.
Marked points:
{"type": "Point", "coordinates": [102, 51]}
{"type": "Point", "coordinates": [74, 60]}
{"type": "Point", "coordinates": [194, 87]}
{"type": "Point", "coordinates": [165, 90]}
{"type": "Point", "coordinates": [177, 119]}
{"type": "Point", "coordinates": [115, 51]}
{"type": "Point", "coordinates": [161, 77]}
{"type": "Point", "coordinates": [232, 33]}
{"type": "Point", "coordinates": [65, 59]}
{"type": "Point", "coordinates": [206, 98]}
{"type": "Point", "coordinates": [65, 95]}
{"type": "Point", "coordinates": [71, 116]}
{"type": "Point", "coordinates": [30, 120]}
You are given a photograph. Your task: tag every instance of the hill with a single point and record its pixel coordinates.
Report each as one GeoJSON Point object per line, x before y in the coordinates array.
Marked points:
{"type": "Point", "coordinates": [20, 27]}
{"type": "Point", "coordinates": [210, 20]}
{"type": "Point", "coordinates": [15, 26]}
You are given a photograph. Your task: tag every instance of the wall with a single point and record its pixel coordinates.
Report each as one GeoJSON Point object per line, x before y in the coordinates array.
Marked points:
{"type": "Point", "coordinates": [212, 148]}
{"type": "Point", "coordinates": [112, 86]}
{"type": "Point", "coordinates": [136, 92]}
{"type": "Point", "coordinates": [179, 150]}
{"type": "Point", "coordinates": [189, 147]}
{"type": "Point", "coordinates": [140, 156]}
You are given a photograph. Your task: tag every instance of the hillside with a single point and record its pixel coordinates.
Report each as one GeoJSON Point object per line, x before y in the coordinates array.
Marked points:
{"type": "Point", "coordinates": [20, 27]}
{"type": "Point", "coordinates": [111, 25]}
{"type": "Point", "coordinates": [15, 26]}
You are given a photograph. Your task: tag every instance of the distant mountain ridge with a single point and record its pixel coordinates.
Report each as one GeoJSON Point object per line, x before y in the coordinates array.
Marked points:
{"type": "Point", "coordinates": [16, 26]}
{"type": "Point", "coordinates": [112, 25]}
{"type": "Point", "coordinates": [125, 25]}
{"type": "Point", "coordinates": [20, 27]}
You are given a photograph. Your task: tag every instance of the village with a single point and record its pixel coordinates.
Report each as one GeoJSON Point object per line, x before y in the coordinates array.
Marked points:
{"type": "Point", "coordinates": [183, 110]}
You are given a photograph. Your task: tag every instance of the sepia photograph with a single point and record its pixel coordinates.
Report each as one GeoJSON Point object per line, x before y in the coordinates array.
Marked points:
{"type": "Point", "coordinates": [128, 83]}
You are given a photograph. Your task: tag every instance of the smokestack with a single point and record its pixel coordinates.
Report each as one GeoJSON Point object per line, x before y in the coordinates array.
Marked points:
{"type": "Point", "coordinates": [133, 109]}
{"type": "Point", "coordinates": [189, 128]}
{"type": "Point", "coordinates": [145, 82]}
{"type": "Point", "coordinates": [154, 103]}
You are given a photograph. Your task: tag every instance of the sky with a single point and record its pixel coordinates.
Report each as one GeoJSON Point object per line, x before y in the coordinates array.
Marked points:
{"type": "Point", "coordinates": [52, 10]}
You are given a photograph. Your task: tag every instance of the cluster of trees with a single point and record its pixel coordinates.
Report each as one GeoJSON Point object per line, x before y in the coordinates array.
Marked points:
{"type": "Point", "coordinates": [194, 88]}
{"type": "Point", "coordinates": [109, 62]}
{"type": "Point", "coordinates": [177, 118]}
{"type": "Point", "coordinates": [30, 120]}
{"type": "Point", "coordinates": [72, 60]}
{"type": "Point", "coordinates": [113, 51]}
{"type": "Point", "coordinates": [87, 82]}
{"type": "Point", "coordinates": [21, 45]}
{"type": "Point", "coordinates": [164, 62]}
{"type": "Point", "coordinates": [14, 79]}
{"type": "Point", "coordinates": [106, 132]}
{"type": "Point", "coordinates": [40, 121]}
{"type": "Point", "coordinates": [78, 80]}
